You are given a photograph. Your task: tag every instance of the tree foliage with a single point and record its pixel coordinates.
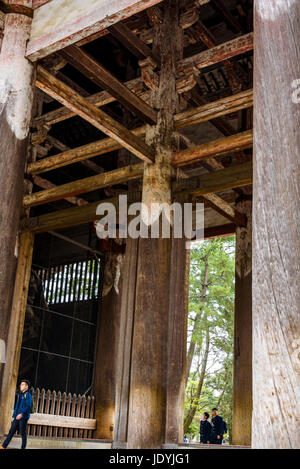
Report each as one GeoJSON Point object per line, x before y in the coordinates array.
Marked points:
{"type": "Point", "coordinates": [210, 331]}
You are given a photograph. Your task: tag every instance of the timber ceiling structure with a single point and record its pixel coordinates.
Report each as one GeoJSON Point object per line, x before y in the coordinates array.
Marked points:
{"type": "Point", "coordinates": [92, 105]}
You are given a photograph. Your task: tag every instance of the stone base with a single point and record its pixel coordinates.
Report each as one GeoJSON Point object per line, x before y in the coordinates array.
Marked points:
{"type": "Point", "coordinates": [35, 442]}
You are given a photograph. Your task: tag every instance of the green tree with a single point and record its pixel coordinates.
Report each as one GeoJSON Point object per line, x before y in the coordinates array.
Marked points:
{"type": "Point", "coordinates": [210, 331]}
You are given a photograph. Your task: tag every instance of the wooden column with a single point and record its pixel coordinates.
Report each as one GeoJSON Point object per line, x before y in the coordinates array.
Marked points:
{"type": "Point", "coordinates": [129, 277]}
{"type": "Point", "coordinates": [149, 359]}
{"type": "Point", "coordinates": [276, 236]}
{"type": "Point", "coordinates": [16, 95]}
{"type": "Point", "coordinates": [242, 377]}
{"type": "Point", "coordinates": [107, 348]}
{"type": "Point", "coordinates": [177, 342]}
{"type": "Point", "coordinates": [16, 327]}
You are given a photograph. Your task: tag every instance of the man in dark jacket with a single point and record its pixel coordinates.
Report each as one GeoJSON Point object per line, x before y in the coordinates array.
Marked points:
{"type": "Point", "coordinates": [20, 415]}
{"type": "Point", "coordinates": [205, 429]}
{"type": "Point", "coordinates": [218, 427]}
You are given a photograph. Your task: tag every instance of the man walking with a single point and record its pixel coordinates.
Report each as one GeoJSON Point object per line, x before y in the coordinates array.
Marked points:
{"type": "Point", "coordinates": [21, 415]}
{"type": "Point", "coordinates": [218, 427]}
{"type": "Point", "coordinates": [205, 429]}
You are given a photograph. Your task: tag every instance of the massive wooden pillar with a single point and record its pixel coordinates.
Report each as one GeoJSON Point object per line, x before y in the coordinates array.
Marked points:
{"type": "Point", "coordinates": [149, 380]}
{"type": "Point", "coordinates": [16, 95]}
{"type": "Point", "coordinates": [104, 385]}
{"type": "Point", "coordinates": [276, 237]}
{"type": "Point", "coordinates": [242, 376]}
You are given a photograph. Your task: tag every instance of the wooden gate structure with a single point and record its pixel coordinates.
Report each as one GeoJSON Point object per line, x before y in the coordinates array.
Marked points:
{"type": "Point", "coordinates": [161, 100]}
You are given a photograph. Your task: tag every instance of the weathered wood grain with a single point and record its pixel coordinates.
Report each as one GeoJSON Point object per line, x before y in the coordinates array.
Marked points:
{"type": "Point", "coordinates": [181, 120]}
{"type": "Point", "coordinates": [84, 185]}
{"type": "Point", "coordinates": [242, 372]}
{"type": "Point", "coordinates": [95, 72]}
{"type": "Point", "coordinates": [16, 98]}
{"type": "Point", "coordinates": [70, 98]}
{"type": "Point", "coordinates": [218, 147]}
{"type": "Point", "coordinates": [276, 223]}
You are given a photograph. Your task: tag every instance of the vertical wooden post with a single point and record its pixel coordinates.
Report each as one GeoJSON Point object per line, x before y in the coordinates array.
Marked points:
{"type": "Point", "coordinates": [16, 327]}
{"type": "Point", "coordinates": [129, 276]}
{"type": "Point", "coordinates": [149, 359]}
{"type": "Point", "coordinates": [242, 376]}
{"type": "Point", "coordinates": [276, 235]}
{"type": "Point", "coordinates": [16, 96]}
{"type": "Point", "coordinates": [107, 348]}
{"type": "Point", "coordinates": [177, 341]}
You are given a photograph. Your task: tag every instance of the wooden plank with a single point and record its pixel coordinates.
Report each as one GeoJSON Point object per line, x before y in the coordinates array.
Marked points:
{"type": "Point", "coordinates": [217, 54]}
{"type": "Point", "coordinates": [52, 31]}
{"type": "Point", "coordinates": [183, 119]}
{"type": "Point", "coordinates": [218, 147]}
{"type": "Point", "coordinates": [98, 74]}
{"type": "Point", "coordinates": [89, 184]}
{"type": "Point", "coordinates": [45, 184]}
{"type": "Point", "coordinates": [276, 233]}
{"type": "Point", "coordinates": [68, 97]}
{"type": "Point", "coordinates": [62, 421]}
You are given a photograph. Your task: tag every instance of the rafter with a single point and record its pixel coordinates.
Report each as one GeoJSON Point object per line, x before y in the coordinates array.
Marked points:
{"type": "Point", "coordinates": [98, 74]}
{"type": "Point", "coordinates": [66, 96]}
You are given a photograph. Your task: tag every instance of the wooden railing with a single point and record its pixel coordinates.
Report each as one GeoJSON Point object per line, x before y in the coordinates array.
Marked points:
{"type": "Point", "coordinates": [61, 415]}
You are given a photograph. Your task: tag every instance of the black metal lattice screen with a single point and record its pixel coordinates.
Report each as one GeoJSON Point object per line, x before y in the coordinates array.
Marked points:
{"type": "Point", "coordinates": [60, 326]}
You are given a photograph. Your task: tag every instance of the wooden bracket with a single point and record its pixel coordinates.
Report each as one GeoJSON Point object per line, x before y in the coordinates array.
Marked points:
{"type": "Point", "coordinates": [150, 78]}
{"type": "Point", "coordinates": [40, 136]}
{"type": "Point", "coordinates": [16, 9]}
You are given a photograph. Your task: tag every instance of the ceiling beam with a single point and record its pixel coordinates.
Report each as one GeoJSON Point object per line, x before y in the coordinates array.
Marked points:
{"type": "Point", "coordinates": [117, 176]}
{"type": "Point", "coordinates": [99, 75]}
{"type": "Point", "coordinates": [218, 147]}
{"type": "Point", "coordinates": [132, 42]}
{"type": "Point", "coordinates": [217, 54]}
{"type": "Point", "coordinates": [229, 178]}
{"type": "Point", "coordinates": [70, 98]}
{"type": "Point", "coordinates": [184, 119]}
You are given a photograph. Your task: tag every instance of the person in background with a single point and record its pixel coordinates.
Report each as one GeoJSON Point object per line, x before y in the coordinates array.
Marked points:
{"type": "Point", "coordinates": [218, 427]}
{"type": "Point", "coordinates": [20, 415]}
{"type": "Point", "coordinates": [205, 429]}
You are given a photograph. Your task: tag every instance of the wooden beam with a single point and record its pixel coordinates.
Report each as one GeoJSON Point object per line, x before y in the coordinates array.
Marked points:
{"type": "Point", "coordinates": [99, 99]}
{"type": "Point", "coordinates": [218, 147]}
{"type": "Point", "coordinates": [81, 186]}
{"type": "Point", "coordinates": [225, 12]}
{"type": "Point", "coordinates": [45, 184]}
{"type": "Point", "coordinates": [75, 243]}
{"type": "Point", "coordinates": [68, 97]}
{"type": "Point", "coordinates": [52, 31]}
{"type": "Point", "coordinates": [62, 421]}
{"type": "Point", "coordinates": [98, 74]}
{"type": "Point", "coordinates": [217, 54]}
{"type": "Point", "coordinates": [225, 209]}
{"type": "Point", "coordinates": [184, 119]}
{"type": "Point", "coordinates": [218, 231]}
{"type": "Point", "coordinates": [229, 178]}
{"type": "Point", "coordinates": [225, 179]}
{"type": "Point", "coordinates": [132, 42]}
